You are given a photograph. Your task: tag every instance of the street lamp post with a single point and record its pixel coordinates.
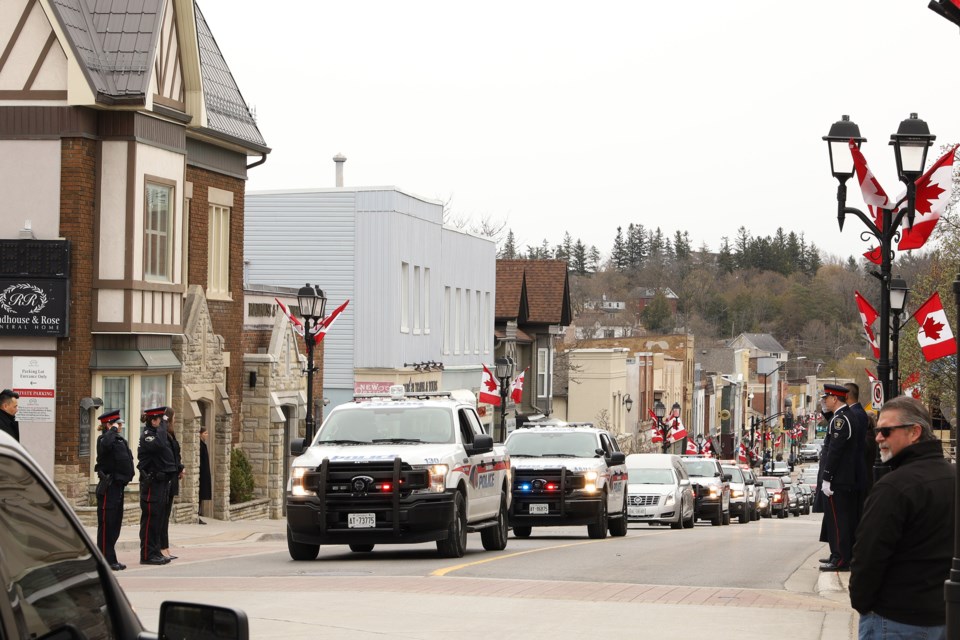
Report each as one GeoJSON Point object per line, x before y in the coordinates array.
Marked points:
{"type": "Point", "coordinates": [910, 145]}
{"type": "Point", "coordinates": [699, 441]}
{"type": "Point", "coordinates": [899, 292]}
{"type": "Point", "coordinates": [505, 367]}
{"type": "Point", "coordinates": [312, 303]}
{"type": "Point", "coordinates": [766, 408]}
{"type": "Point", "coordinates": [659, 410]}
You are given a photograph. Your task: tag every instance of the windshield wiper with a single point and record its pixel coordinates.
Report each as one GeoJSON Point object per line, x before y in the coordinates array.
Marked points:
{"type": "Point", "coordinates": [342, 442]}
{"type": "Point", "coordinates": [560, 455]}
{"type": "Point", "coordinates": [398, 440]}
{"type": "Point", "coordinates": [524, 455]}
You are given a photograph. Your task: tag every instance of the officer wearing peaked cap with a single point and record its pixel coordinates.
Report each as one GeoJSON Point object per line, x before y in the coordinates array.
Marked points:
{"type": "Point", "coordinates": [157, 465]}
{"type": "Point", "coordinates": [842, 478]}
{"type": "Point", "coordinates": [114, 470]}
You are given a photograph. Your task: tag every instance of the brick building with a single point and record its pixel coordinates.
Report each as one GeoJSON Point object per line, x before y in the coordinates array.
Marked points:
{"type": "Point", "coordinates": [124, 146]}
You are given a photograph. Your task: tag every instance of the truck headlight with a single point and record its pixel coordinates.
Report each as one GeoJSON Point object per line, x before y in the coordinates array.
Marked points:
{"type": "Point", "coordinates": [736, 493]}
{"type": "Point", "coordinates": [714, 491]}
{"type": "Point", "coordinates": [591, 476]}
{"type": "Point", "coordinates": [296, 482]}
{"type": "Point", "coordinates": [436, 478]}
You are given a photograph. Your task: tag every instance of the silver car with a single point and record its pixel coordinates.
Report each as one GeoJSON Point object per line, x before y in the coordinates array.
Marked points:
{"type": "Point", "coordinates": [659, 490]}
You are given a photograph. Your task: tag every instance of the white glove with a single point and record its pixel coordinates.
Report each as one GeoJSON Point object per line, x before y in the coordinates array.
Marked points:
{"type": "Point", "coordinates": [825, 488]}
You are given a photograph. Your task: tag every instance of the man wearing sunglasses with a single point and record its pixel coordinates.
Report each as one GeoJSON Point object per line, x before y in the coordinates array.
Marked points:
{"type": "Point", "coordinates": [843, 476]}
{"type": "Point", "coordinates": [904, 544]}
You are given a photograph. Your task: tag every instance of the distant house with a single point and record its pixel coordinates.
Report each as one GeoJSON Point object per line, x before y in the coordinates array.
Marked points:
{"type": "Point", "coordinates": [759, 344]}
{"type": "Point", "coordinates": [600, 324]}
{"type": "Point", "coordinates": [610, 306]}
{"type": "Point", "coordinates": [645, 296]}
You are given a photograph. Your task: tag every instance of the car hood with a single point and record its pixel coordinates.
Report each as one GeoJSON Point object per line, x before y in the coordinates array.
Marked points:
{"type": "Point", "coordinates": [411, 454]}
{"type": "Point", "coordinates": [660, 489]}
{"type": "Point", "coordinates": [571, 464]}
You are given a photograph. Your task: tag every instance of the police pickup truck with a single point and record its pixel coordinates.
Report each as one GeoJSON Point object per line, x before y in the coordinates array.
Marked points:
{"type": "Point", "coordinates": [391, 469]}
{"type": "Point", "coordinates": [567, 475]}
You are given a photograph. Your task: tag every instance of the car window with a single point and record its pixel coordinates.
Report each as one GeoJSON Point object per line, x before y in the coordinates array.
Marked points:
{"type": "Point", "coordinates": [49, 572]}
{"type": "Point", "coordinates": [577, 444]}
{"type": "Point", "coordinates": [650, 476]}
{"type": "Point", "coordinates": [736, 475]}
{"type": "Point", "coordinates": [608, 448]}
{"type": "Point", "coordinates": [700, 468]}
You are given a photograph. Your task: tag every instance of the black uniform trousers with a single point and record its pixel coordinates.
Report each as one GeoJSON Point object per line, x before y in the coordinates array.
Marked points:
{"type": "Point", "coordinates": [109, 521]}
{"type": "Point", "coordinates": [167, 512]}
{"type": "Point", "coordinates": [841, 515]}
{"type": "Point", "coordinates": [153, 504]}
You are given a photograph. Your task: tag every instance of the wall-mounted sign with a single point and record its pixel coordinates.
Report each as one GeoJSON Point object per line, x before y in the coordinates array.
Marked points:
{"type": "Point", "coordinates": [33, 306]}
{"type": "Point", "coordinates": [35, 379]}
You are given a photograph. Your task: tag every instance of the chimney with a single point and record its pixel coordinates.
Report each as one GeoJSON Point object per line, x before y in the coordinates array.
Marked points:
{"type": "Point", "coordinates": [339, 159]}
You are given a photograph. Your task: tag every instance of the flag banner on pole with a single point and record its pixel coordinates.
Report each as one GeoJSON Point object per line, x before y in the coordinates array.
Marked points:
{"type": "Point", "coordinates": [677, 431]}
{"type": "Point", "coordinates": [911, 386]}
{"type": "Point", "coordinates": [935, 337]}
{"type": "Point", "coordinates": [873, 193]}
{"type": "Point", "coordinates": [516, 387]}
{"type": "Point", "coordinates": [742, 454]}
{"type": "Point", "coordinates": [870, 376]}
{"type": "Point", "coordinates": [489, 388]}
{"type": "Point", "coordinates": [779, 442]}
{"type": "Point", "coordinates": [867, 315]}
{"type": "Point", "coordinates": [933, 192]}
{"type": "Point", "coordinates": [691, 449]}
{"type": "Point", "coordinates": [297, 325]}
{"type": "Point", "coordinates": [656, 436]}
{"type": "Point", "coordinates": [708, 446]}
{"type": "Point", "coordinates": [320, 331]}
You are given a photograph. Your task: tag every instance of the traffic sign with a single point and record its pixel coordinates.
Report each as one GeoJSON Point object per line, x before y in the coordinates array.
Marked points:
{"type": "Point", "coordinates": [877, 395]}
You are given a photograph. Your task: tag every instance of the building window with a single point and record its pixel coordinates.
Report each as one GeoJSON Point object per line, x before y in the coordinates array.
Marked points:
{"type": "Point", "coordinates": [116, 395]}
{"type": "Point", "coordinates": [544, 365]}
{"type": "Point", "coordinates": [153, 391]}
{"type": "Point", "coordinates": [416, 299]}
{"type": "Point", "coordinates": [478, 324]}
{"type": "Point", "coordinates": [467, 321]}
{"type": "Point", "coordinates": [404, 297]}
{"type": "Point", "coordinates": [218, 268]}
{"type": "Point", "coordinates": [486, 321]}
{"type": "Point", "coordinates": [447, 312]}
{"type": "Point", "coordinates": [457, 332]}
{"type": "Point", "coordinates": [158, 230]}
{"type": "Point", "coordinates": [426, 299]}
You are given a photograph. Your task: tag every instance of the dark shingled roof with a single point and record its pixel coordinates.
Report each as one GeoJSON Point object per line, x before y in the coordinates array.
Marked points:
{"type": "Point", "coordinates": [533, 292]}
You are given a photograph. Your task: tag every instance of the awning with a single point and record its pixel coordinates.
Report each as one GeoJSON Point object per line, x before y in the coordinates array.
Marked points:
{"type": "Point", "coordinates": [133, 359]}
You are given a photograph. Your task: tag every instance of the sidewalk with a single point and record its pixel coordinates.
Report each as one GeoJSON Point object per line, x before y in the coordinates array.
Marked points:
{"type": "Point", "coordinates": [214, 532]}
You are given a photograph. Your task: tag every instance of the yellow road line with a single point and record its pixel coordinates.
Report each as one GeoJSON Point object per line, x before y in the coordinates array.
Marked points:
{"type": "Point", "coordinates": [457, 567]}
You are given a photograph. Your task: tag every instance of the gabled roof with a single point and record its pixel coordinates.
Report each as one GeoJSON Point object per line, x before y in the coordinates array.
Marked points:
{"type": "Point", "coordinates": [114, 42]}
{"type": "Point", "coordinates": [647, 293]}
{"type": "Point", "coordinates": [761, 342]}
{"type": "Point", "coordinates": [227, 112]}
{"type": "Point", "coordinates": [533, 292]}
{"type": "Point", "coordinates": [716, 360]}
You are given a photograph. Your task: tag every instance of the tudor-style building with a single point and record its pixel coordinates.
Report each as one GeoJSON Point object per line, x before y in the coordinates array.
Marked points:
{"type": "Point", "coordinates": [124, 149]}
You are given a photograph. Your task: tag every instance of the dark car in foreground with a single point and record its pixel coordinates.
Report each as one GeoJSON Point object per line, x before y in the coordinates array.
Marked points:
{"type": "Point", "coordinates": [57, 584]}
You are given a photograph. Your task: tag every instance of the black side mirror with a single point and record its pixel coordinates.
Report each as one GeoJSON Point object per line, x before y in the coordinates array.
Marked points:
{"type": "Point", "coordinates": [188, 621]}
{"type": "Point", "coordinates": [482, 444]}
{"type": "Point", "coordinates": [298, 446]}
{"type": "Point", "coordinates": [617, 457]}
{"type": "Point", "coordinates": [727, 477]}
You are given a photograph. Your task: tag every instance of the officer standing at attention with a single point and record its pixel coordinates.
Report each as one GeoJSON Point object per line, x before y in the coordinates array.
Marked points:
{"type": "Point", "coordinates": [843, 476]}
{"type": "Point", "coordinates": [157, 466]}
{"type": "Point", "coordinates": [114, 469]}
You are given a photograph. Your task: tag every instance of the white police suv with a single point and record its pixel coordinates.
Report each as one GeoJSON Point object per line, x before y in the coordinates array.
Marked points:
{"type": "Point", "coordinates": [392, 468]}
{"type": "Point", "coordinates": [567, 475]}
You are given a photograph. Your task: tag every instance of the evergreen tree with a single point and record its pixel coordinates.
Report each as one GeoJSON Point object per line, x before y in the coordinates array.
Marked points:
{"type": "Point", "coordinates": [657, 316]}
{"type": "Point", "coordinates": [726, 261]}
{"type": "Point", "coordinates": [509, 249]}
{"type": "Point", "coordinates": [593, 259]}
{"type": "Point", "coordinates": [618, 257]}
{"type": "Point", "coordinates": [579, 261]}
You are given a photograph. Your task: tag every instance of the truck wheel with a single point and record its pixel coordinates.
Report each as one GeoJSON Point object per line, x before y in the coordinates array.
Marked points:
{"type": "Point", "coordinates": [618, 526]}
{"type": "Point", "coordinates": [495, 538]}
{"type": "Point", "coordinates": [522, 532]}
{"type": "Point", "coordinates": [744, 515]}
{"type": "Point", "coordinates": [726, 517]}
{"type": "Point", "coordinates": [361, 548]}
{"type": "Point", "coordinates": [456, 543]}
{"type": "Point", "coordinates": [299, 550]}
{"type": "Point", "coordinates": [598, 530]}
{"type": "Point", "coordinates": [717, 520]}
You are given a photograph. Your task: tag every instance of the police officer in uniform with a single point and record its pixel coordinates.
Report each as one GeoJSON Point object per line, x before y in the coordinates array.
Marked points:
{"type": "Point", "coordinates": [114, 470]}
{"type": "Point", "coordinates": [157, 466]}
{"type": "Point", "coordinates": [843, 477]}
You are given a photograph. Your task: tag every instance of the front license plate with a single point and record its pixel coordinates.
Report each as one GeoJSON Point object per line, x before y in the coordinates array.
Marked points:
{"type": "Point", "coordinates": [361, 520]}
{"type": "Point", "coordinates": [636, 511]}
{"type": "Point", "coordinates": [539, 509]}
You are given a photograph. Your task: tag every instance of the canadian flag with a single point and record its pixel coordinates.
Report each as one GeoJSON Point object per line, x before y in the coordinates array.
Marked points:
{"type": "Point", "coordinates": [489, 388]}
{"type": "Point", "coordinates": [691, 449]}
{"type": "Point", "coordinates": [656, 436]}
{"type": "Point", "coordinates": [742, 454]}
{"type": "Point", "coordinates": [933, 195]}
{"type": "Point", "coordinates": [870, 376]}
{"type": "Point", "coordinates": [779, 442]}
{"type": "Point", "coordinates": [911, 386]}
{"type": "Point", "coordinates": [320, 331]}
{"type": "Point", "coordinates": [677, 431]}
{"type": "Point", "coordinates": [516, 387]}
{"type": "Point", "coordinates": [297, 325]}
{"type": "Point", "coordinates": [873, 193]}
{"type": "Point", "coordinates": [935, 338]}
{"type": "Point", "coordinates": [708, 447]}
{"type": "Point", "coordinates": [867, 315]}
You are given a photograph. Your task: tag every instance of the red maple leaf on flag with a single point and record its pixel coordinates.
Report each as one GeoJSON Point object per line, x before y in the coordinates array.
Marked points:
{"type": "Point", "coordinates": [490, 384]}
{"type": "Point", "coordinates": [926, 197]}
{"type": "Point", "coordinates": [932, 328]}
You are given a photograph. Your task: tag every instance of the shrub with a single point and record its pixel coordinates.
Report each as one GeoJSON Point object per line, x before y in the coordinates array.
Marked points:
{"type": "Point", "coordinates": [241, 477]}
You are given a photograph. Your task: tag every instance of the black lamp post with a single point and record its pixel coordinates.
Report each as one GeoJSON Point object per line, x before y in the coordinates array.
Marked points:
{"type": "Point", "coordinates": [766, 410]}
{"type": "Point", "coordinates": [699, 440]}
{"type": "Point", "coordinates": [312, 302]}
{"type": "Point", "coordinates": [504, 371]}
{"type": "Point", "coordinates": [659, 410]}
{"type": "Point", "coordinates": [899, 292]}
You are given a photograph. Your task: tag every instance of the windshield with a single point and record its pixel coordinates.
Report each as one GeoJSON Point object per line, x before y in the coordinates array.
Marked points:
{"type": "Point", "coordinates": [735, 474]}
{"type": "Point", "coordinates": [650, 476]}
{"type": "Point", "coordinates": [700, 468]}
{"type": "Point", "coordinates": [575, 444]}
{"type": "Point", "coordinates": [772, 483]}
{"type": "Point", "coordinates": [396, 424]}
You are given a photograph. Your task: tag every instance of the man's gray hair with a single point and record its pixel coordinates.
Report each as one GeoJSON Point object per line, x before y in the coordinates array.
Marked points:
{"type": "Point", "coordinates": [911, 411]}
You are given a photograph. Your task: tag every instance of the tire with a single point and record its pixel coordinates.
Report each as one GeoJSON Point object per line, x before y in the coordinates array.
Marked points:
{"type": "Point", "coordinates": [598, 530]}
{"type": "Point", "coordinates": [679, 523]}
{"type": "Point", "coordinates": [495, 538]}
{"type": "Point", "coordinates": [688, 523]}
{"type": "Point", "coordinates": [522, 532]}
{"type": "Point", "coordinates": [782, 514]}
{"type": "Point", "coordinates": [717, 520]}
{"type": "Point", "coordinates": [300, 551]}
{"type": "Point", "coordinates": [361, 548]}
{"type": "Point", "coordinates": [455, 544]}
{"type": "Point", "coordinates": [744, 516]}
{"type": "Point", "coordinates": [726, 518]}
{"type": "Point", "coordinates": [618, 526]}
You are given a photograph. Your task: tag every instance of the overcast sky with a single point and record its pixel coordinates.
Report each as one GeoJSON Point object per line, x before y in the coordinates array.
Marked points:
{"type": "Point", "coordinates": [559, 116]}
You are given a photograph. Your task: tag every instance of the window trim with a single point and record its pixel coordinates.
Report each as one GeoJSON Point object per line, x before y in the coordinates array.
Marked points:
{"type": "Point", "coordinates": [164, 183]}
{"type": "Point", "coordinates": [218, 251]}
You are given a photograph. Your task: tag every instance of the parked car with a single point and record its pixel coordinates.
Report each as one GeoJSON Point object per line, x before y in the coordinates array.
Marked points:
{"type": "Point", "coordinates": [753, 491]}
{"type": "Point", "coordinates": [808, 476]}
{"type": "Point", "coordinates": [58, 585]}
{"type": "Point", "coordinates": [793, 499]}
{"type": "Point", "coordinates": [779, 468]}
{"type": "Point", "coordinates": [739, 505]}
{"type": "Point", "coordinates": [659, 490]}
{"type": "Point", "coordinates": [778, 495]}
{"type": "Point", "coordinates": [807, 494]}
{"type": "Point", "coordinates": [712, 489]}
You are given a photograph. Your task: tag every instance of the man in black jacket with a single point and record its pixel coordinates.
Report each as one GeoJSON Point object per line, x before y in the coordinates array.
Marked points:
{"type": "Point", "coordinates": [904, 543]}
{"type": "Point", "coordinates": [8, 413]}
